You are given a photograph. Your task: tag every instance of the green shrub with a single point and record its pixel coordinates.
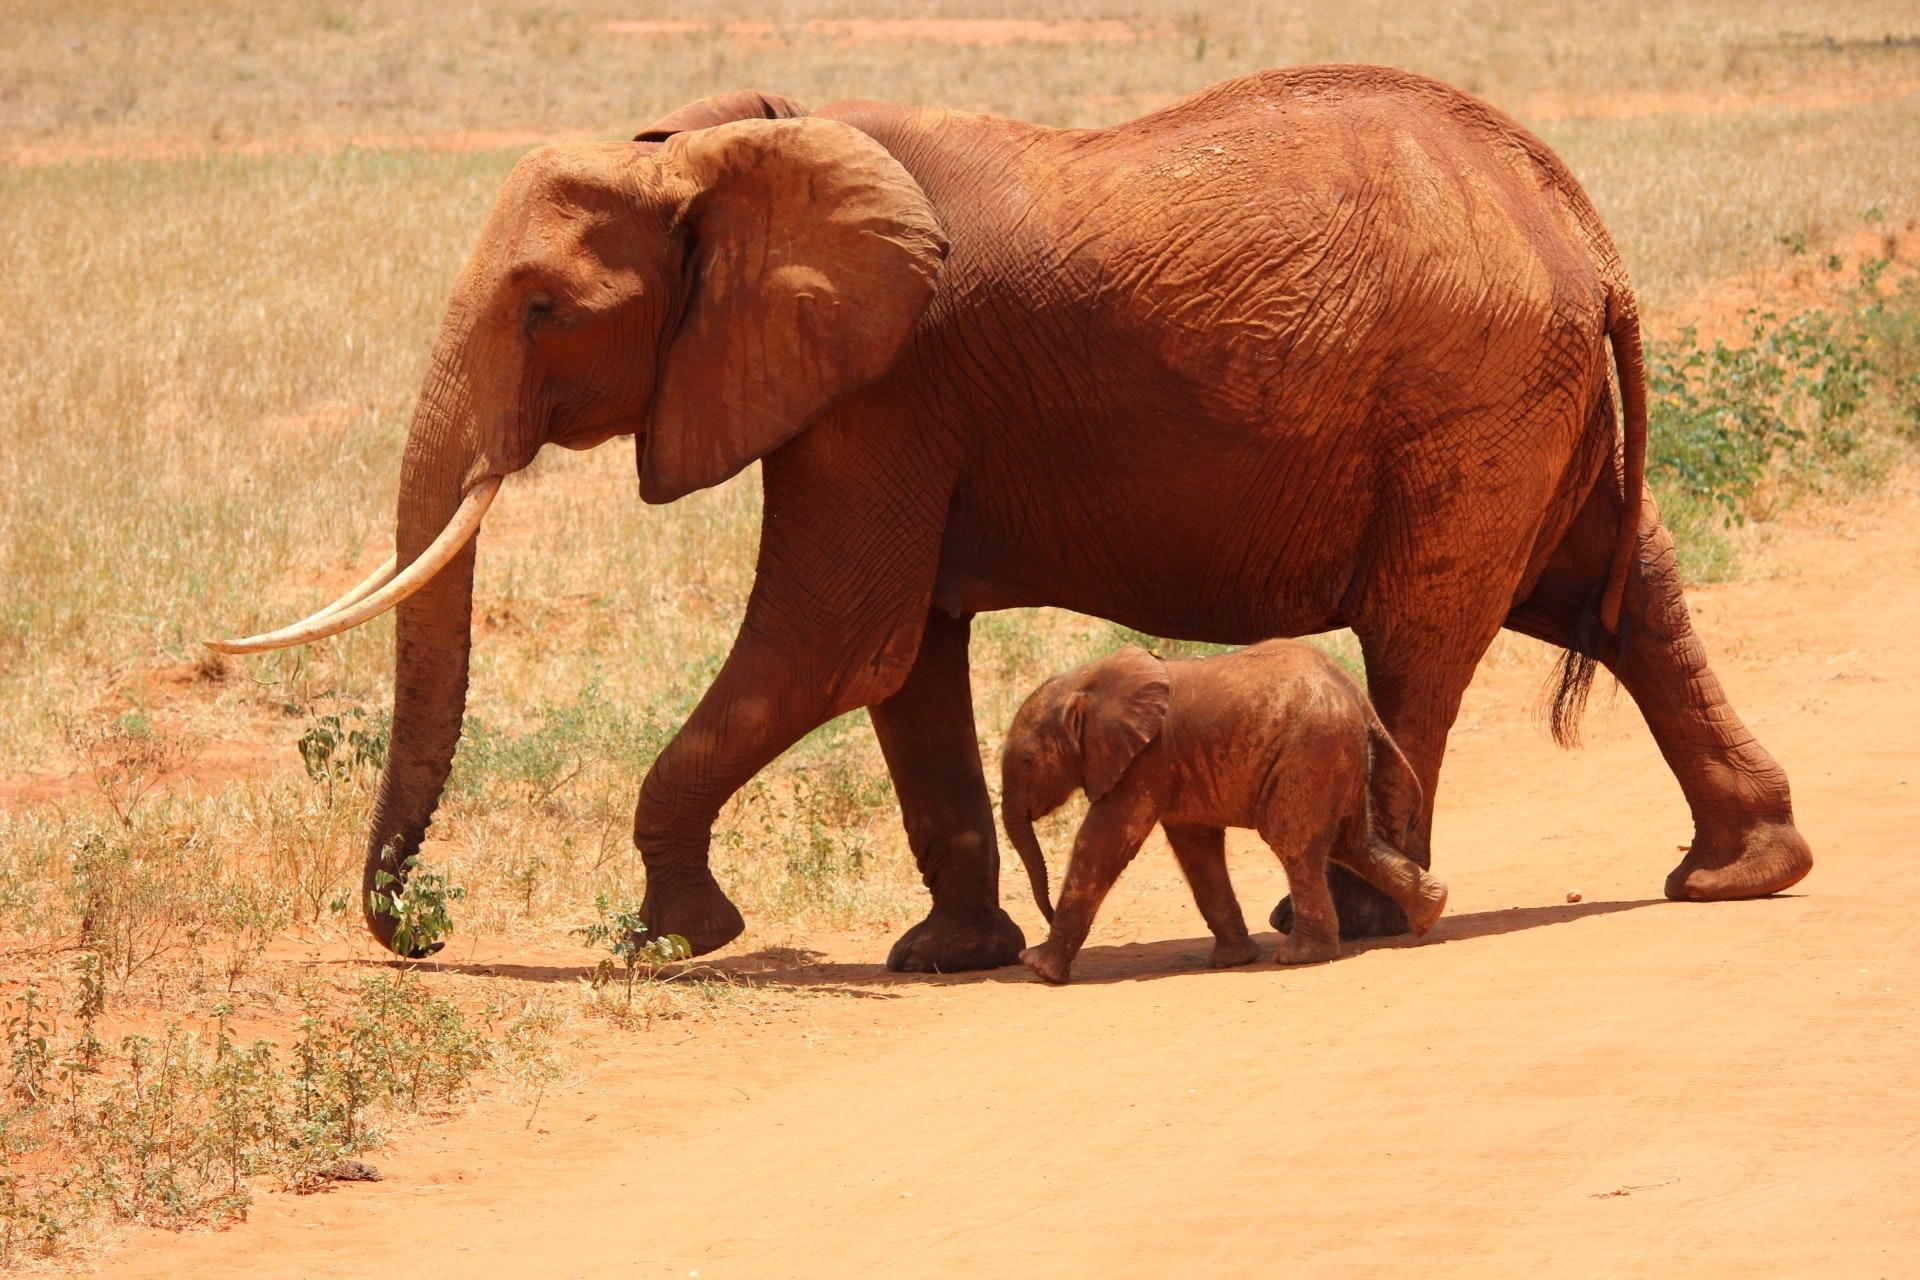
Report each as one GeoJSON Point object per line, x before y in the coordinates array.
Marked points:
{"type": "Point", "coordinates": [172, 1128]}
{"type": "Point", "coordinates": [421, 909]}
{"type": "Point", "coordinates": [1736, 430]}
{"type": "Point", "coordinates": [620, 931]}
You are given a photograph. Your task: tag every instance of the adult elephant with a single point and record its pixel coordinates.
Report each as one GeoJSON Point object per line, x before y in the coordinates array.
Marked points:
{"type": "Point", "coordinates": [1320, 347]}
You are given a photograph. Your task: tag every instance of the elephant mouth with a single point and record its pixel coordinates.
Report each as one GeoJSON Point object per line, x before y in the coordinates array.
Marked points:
{"type": "Point", "coordinates": [386, 587]}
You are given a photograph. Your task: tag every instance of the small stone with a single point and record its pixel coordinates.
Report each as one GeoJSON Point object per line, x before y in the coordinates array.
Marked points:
{"type": "Point", "coordinates": [1573, 897]}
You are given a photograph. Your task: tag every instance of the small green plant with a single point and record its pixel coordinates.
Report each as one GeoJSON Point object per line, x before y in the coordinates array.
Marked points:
{"type": "Point", "coordinates": [244, 1120]}
{"type": "Point", "coordinates": [620, 930]}
{"type": "Point", "coordinates": [340, 745]}
{"type": "Point", "coordinates": [525, 877]}
{"type": "Point", "coordinates": [419, 904]}
{"type": "Point", "coordinates": [85, 1055]}
{"type": "Point", "coordinates": [138, 894]}
{"type": "Point", "coordinates": [29, 1048]}
{"type": "Point", "coordinates": [250, 914]}
{"type": "Point", "coordinates": [127, 757]}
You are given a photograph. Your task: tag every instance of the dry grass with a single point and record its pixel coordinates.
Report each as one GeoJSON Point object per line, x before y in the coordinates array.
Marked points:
{"type": "Point", "coordinates": [1704, 129]}
{"type": "Point", "coordinates": [209, 360]}
{"type": "Point", "coordinates": [225, 350]}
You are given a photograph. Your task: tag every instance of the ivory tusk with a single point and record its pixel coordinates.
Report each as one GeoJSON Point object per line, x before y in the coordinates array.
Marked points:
{"type": "Point", "coordinates": [374, 581]}
{"type": "Point", "coordinates": [373, 597]}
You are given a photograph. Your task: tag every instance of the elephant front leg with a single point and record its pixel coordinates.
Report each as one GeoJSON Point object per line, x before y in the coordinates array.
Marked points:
{"type": "Point", "coordinates": [1115, 826]}
{"type": "Point", "coordinates": [769, 694]}
{"type": "Point", "coordinates": [926, 732]}
{"type": "Point", "coordinates": [673, 830]}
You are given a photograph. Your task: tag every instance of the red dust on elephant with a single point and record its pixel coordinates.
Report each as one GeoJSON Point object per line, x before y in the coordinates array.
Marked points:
{"type": "Point", "coordinates": [1319, 347]}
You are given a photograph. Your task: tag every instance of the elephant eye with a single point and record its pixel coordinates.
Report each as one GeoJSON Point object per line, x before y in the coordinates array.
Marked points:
{"type": "Point", "coordinates": [540, 307]}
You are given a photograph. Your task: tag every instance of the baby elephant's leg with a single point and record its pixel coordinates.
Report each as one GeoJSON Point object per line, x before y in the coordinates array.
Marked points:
{"type": "Point", "coordinates": [1108, 838]}
{"type": "Point", "coordinates": [1202, 852]}
{"type": "Point", "coordinates": [1316, 926]}
{"type": "Point", "coordinates": [1419, 893]}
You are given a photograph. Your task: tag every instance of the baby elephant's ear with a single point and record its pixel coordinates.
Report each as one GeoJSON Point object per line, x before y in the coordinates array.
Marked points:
{"type": "Point", "coordinates": [1123, 704]}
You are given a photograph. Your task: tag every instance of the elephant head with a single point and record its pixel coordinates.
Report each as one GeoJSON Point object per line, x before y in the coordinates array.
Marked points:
{"type": "Point", "coordinates": [1079, 730]}
{"type": "Point", "coordinates": [710, 295]}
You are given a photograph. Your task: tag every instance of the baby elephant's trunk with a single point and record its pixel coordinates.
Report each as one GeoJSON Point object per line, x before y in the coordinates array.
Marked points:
{"type": "Point", "coordinates": [1020, 832]}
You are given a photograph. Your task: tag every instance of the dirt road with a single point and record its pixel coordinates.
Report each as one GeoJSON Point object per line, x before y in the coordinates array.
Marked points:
{"type": "Point", "coordinates": [1622, 1087]}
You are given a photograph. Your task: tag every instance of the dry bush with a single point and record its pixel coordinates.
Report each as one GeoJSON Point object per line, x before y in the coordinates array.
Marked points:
{"type": "Point", "coordinates": [175, 1127]}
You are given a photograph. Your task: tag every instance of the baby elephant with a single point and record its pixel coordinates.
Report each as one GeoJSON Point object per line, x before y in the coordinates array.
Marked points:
{"type": "Point", "coordinates": [1275, 737]}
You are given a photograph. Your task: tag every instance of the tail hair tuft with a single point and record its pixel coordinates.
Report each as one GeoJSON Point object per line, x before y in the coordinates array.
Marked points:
{"type": "Point", "coordinates": [1573, 682]}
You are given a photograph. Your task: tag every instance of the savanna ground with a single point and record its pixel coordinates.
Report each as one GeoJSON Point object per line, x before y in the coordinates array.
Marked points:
{"type": "Point", "coordinates": [228, 232]}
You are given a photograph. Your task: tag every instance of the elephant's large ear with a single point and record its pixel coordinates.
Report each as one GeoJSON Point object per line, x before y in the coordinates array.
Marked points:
{"type": "Point", "coordinates": [1121, 708]}
{"type": "Point", "coordinates": [811, 254]}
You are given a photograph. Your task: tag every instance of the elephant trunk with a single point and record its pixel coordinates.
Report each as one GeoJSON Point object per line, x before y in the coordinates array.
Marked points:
{"type": "Point", "coordinates": [1020, 831]}
{"type": "Point", "coordinates": [432, 636]}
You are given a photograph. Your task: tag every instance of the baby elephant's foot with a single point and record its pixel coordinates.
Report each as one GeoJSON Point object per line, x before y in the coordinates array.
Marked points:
{"type": "Point", "coordinates": [1048, 964]}
{"type": "Point", "coordinates": [1300, 948]}
{"type": "Point", "coordinates": [1227, 954]}
{"type": "Point", "coordinates": [1429, 899]}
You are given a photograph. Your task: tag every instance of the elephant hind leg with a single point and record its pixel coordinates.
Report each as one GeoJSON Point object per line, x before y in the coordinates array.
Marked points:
{"type": "Point", "coordinates": [1304, 833]}
{"type": "Point", "coordinates": [1202, 854]}
{"type": "Point", "coordinates": [1745, 844]}
{"type": "Point", "coordinates": [1417, 671]}
{"type": "Point", "coordinates": [926, 732]}
{"type": "Point", "coordinates": [1315, 936]}
{"type": "Point", "coordinates": [1417, 891]}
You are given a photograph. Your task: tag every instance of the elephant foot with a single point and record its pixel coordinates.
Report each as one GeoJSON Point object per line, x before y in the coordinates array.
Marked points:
{"type": "Point", "coordinates": [692, 905]}
{"type": "Point", "coordinates": [1741, 863]}
{"type": "Point", "coordinates": [1364, 911]}
{"type": "Point", "coordinates": [1228, 955]}
{"type": "Point", "coordinates": [1428, 902]}
{"type": "Point", "coordinates": [954, 941]}
{"type": "Point", "coordinates": [1298, 948]}
{"type": "Point", "coordinates": [1048, 964]}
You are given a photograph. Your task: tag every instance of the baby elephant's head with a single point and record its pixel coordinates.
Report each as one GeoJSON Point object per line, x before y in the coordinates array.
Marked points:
{"type": "Point", "coordinates": [1080, 729]}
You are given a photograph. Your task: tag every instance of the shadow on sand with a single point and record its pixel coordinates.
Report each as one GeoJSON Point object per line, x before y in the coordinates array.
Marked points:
{"type": "Point", "coordinates": [800, 969]}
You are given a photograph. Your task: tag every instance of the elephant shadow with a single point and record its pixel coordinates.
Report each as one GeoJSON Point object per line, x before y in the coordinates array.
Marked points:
{"type": "Point", "coordinates": [1143, 961]}
{"type": "Point", "coordinates": [801, 969]}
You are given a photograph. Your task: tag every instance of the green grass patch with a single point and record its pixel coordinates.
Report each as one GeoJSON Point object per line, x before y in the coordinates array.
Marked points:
{"type": "Point", "coordinates": [1818, 401]}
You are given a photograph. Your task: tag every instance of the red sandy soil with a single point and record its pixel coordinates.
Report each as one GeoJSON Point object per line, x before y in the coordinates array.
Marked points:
{"type": "Point", "coordinates": [1806, 282]}
{"type": "Point", "coordinates": [1618, 1087]}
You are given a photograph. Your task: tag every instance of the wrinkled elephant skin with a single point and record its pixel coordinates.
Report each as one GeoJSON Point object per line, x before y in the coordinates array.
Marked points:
{"type": "Point", "coordinates": [1320, 347]}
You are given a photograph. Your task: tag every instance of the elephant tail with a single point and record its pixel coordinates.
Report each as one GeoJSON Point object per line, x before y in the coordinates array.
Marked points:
{"type": "Point", "coordinates": [1394, 789]}
{"type": "Point", "coordinates": [1623, 329]}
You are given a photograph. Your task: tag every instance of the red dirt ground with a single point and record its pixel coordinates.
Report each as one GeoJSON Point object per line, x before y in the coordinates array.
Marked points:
{"type": "Point", "coordinates": [1619, 1087]}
